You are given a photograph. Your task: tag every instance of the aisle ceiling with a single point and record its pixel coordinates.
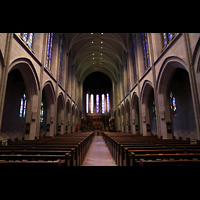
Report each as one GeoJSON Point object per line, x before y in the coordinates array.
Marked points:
{"type": "Point", "coordinates": [93, 52]}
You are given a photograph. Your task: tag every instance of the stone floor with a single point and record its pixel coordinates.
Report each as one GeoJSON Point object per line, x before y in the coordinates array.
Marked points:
{"type": "Point", "coordinates": [98, 154]}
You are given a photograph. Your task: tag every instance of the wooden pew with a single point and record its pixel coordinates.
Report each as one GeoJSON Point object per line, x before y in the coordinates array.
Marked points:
{"type": "Point", "coordinates": [67, 155]}
{"type": "Point", "coordinates": [72, 148]}
{"type": "Point", "coordinates": [114, 140]}
{"type": "Point", "coordinates": [135, 158]}
{"type": "Point", "coordinates": [170, 163]}
{"type": "Point", "coordinates": [159, 152]}
{"type": "Point", "coordinates": [30, 163]}
{"type": "Point", "coordinates": [123, 147]}
{"type": "Point", "coordinates": [36, 157]}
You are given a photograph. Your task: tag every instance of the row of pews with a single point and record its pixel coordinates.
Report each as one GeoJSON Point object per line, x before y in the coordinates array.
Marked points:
{"type": "Point", "coordinates": [135, 150]}
{"type": "Point", "coordinates": [64, 150]}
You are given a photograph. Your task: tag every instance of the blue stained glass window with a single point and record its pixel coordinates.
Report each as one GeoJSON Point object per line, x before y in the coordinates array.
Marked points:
{"type": "Point", "coordinates": [49, 50]}
{"type": "Point", "coordinates": [48, 42]}
{"type": "Point", "coordinates": [42, 112]}
{"type": "Point", "coordinates": [103, 103]}
{"type": "Point", "coordinates": [22, 111]}
{"type": "Point", "coordinates": [170, 36]}
{"type": "Point", "coordinates": [61, 61]}
{"type": "Point", "coordinates": [107, 99]}
{"type": "Point", "coordinates": [166, 38]}
{"type": "Point", "coordinates": [28, 38]}
{"type": "Point", "coordinates": [87, 103]}
{"type": "Point", "coordinates": [25, 36]}
{"type": "Point", "coordinates": [172, 101]}
{"type": "Point", "coordinates": [97, 103]}
{"type": "Point", "coordinates": [145, 50]}
{"type": "Point", "coordinates": [21, 108]}
{"type": "Point", "coordinates": [92, 103]}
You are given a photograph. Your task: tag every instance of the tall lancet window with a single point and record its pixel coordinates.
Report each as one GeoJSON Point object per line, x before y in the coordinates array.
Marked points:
{"type": "Point", "coordinates": [61, 60]}
{"type": "Point", "coordinates": [167, 37]}
{"type": "Point", "coordinates": [97, 103]}
{"type": "Point", "coordinates": [49, 50]}
{"type": "Point", "coordinates": [145, 50]}
{"type": "Point", "coordinates": [22, 111]}
{"type": "Point", "coordinates": [42, 112]}
{"type": "Point", "coordinates": [154, 110]}
{"type": "Point", "coordinates": [103, 102]}
{"type": "Point", "coordinates": [87, 103]}
{"type": "Point", "coordinates": [107, 100]}
{"type": "Point", "coordinates": [92, 103]}
{"type": "Point", "coordinates": [172, 102]}
{"type": "Point", "coordinates": [133, 57]}
{"type": "Point", "coordinates": [28, 38]}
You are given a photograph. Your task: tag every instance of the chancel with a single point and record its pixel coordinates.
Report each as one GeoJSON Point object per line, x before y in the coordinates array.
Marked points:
{"type": "Point", "coordinates": [93, 99]}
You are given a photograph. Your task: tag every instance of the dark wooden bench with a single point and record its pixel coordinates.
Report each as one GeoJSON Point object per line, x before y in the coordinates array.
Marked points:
{"type": "Point", "coordinates": [126, 161]}
{"type": "Point", "coordinates": [113, 139]}
{"type": "Point", "coordinates": [127, 150]}
{"type": "Point", "coordinates": [30, 163]}
{"type": "Point", "coordinates": [65, 158]}
{"type": "Point", "coordinates": [74, 150]}
{"type": "Point", "coordinates": [123, 149]}
{"type": "Point", "coordinates": [169, 163]}
{"type": "Point", "coordinates": [70, 154]}
{"type": "Point", "coordinates": [71, 148]}
{"type": "Point", "coordinates": [135, 158]}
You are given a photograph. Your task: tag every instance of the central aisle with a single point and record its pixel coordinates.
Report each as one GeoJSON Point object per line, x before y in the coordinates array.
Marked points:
{"type": "Point", "coordinates": [98, 154]}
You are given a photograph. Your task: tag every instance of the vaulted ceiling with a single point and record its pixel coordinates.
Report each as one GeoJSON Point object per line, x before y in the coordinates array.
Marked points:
{"type": "Point", "coordinates": [93, 52]}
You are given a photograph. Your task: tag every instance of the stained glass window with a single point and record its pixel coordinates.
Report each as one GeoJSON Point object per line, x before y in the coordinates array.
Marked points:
{"type": "Point", "coordinates": [42, 112]}
{"type": "Point", "coordinates": [103, 103]}
{"type": "Point", "coordinates": [61, 60]}
{"type": "Point", "coordinates": [97, 103]}
{"type": "Point", "coordinates": [166, 38]}
{"type": "Point", "coordinates": [154, 110]}
{"type": "Point", "coordinates": [145, 50]}
{"type": "Point", "coordinates": [49, 50]}
{"type": "Point", "coordinates": [92, 103]}
{"type": "Point", "coordinates": [170, 36]}
{"type": "Point", "coordinates": [25, 36]}
{"type": "Point", "coordinates": [107, 99]}
{"type": "Point", "coordinates": [28, 38]}
{"type": "Point", "coordinates": [172, 101]}
{"type": "Point", "coordinates": [22, 111]}
{"type": "Point", "coordinates": [133, 56]}
{"type": "Point", "coordinates": [87, 103]}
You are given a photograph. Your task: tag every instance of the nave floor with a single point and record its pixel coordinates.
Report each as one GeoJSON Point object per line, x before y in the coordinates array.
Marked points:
{"type": "Point", "coordinates": [98, 154]}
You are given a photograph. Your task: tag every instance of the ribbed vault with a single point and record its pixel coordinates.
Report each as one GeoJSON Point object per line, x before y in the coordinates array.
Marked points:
{"type": "Point", "coordinates": [101, 52]}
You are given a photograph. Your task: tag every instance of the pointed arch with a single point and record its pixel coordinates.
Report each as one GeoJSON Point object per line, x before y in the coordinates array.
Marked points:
{"type": "Point", "coordinates": [73, 110]}
{"type": "Point", "coordinates": [49, 91]}
{"type": "Point", "coordinates": [118, 111]}
{"type": "Point", "coordinates": [122, 109]}
{"type": "Point", "coordinates": [2, 64]}
{"type": "Point", "coordinates": [167, 70]}
{"type": "Point", "coordinates": [196, 57]}
{"type": "Point", "coordinates": [29, 74]}
{"type": "Point", "coordinates": [61, 99]}
{"type": "Point", "coordinates": [68, 106]}
{"type": "Point", "coordinates": [134, 100]}
{"type": "Point", "coordinates": [146, 90]}
{"type": "Point", "coordinates": [127, 106]}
